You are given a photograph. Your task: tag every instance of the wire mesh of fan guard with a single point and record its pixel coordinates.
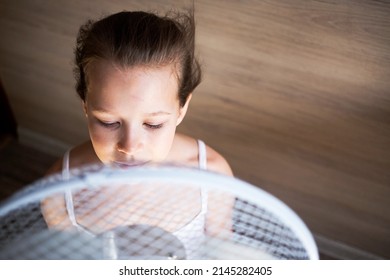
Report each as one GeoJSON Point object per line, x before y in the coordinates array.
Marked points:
{"type": "Point", "coordinates": [154, 212]}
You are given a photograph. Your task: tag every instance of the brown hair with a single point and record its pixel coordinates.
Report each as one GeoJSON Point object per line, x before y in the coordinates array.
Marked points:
{"type": "Point", "coordinates": [140, 39]}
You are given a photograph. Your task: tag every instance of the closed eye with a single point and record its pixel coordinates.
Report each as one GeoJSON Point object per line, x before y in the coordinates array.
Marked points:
{"type": "Point", "coordinates": [109, 124]}
{"type": "Point", "coordinates": [153, 126]}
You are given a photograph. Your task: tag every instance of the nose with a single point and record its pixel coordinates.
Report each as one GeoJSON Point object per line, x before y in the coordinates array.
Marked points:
{"type": "Point", "coordinates": [130, 142]}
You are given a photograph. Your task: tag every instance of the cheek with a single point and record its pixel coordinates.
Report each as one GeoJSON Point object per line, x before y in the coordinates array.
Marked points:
{"type": "Point", "coordinates": [161, 143]}
{"type": "Point", "coordinates": [102, 142]}
{"type": "Point", "coordinates": [96, 133]}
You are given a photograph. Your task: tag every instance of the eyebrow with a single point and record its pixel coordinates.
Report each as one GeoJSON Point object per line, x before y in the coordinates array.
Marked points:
{"type": "Point", "coordinates": [157, 113]}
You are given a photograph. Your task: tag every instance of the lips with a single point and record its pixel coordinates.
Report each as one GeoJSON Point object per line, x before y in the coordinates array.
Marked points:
{"type": "Point", "coordinates": [126, 164]}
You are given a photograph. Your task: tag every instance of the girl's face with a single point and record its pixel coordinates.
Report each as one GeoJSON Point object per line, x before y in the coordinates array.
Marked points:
{"type": "Point", "coordinates": [132, 113]}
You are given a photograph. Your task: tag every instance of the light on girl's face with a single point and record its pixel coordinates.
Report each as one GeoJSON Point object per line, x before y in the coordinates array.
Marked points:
{"type": "Point", "coordinates": [132, 113]}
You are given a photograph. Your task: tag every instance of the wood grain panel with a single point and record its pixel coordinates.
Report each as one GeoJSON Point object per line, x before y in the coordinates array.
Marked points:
{"type": "Point", "coordinates": [296, 95]}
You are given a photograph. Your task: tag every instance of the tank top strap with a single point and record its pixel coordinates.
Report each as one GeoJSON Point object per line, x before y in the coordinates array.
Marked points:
{"type": "Point", "coordinates": [65, 165]}
{"type": "Point", "coordinates": [68, 193]}
{"type": "Point", "coordinates": [202, 155]}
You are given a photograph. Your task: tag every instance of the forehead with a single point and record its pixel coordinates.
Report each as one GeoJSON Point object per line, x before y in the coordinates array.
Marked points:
{"type": "Point", "coordinates": [108, 83]}
{"type": "Point", "coordinates": [101, 70]}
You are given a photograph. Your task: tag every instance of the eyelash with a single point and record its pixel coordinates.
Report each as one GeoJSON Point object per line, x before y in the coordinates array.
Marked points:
{"type": "Point", "coordinates": [114, 124]}
{"type": "Point", "coordinates": [154, 126]}
{"type": "Point", "coordinates": [108, 125]}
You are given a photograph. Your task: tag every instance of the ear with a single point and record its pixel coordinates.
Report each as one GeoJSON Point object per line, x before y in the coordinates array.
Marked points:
{"type": "Point", "coordinates": [84, 105]}
{"type": "Point", "coordinates": [183, 110]}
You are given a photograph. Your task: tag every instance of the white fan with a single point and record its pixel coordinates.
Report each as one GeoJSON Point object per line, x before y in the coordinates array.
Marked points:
{"type": "Point", "coordinates": [150, 212]}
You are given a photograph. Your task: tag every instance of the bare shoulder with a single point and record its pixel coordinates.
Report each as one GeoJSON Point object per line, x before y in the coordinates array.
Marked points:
{"type": "Point", "coordinates": [55, 168]}
{"type": "Point", "coordinates": [189, 153]}
{"type": "Point", "coordinates": [78, 156]}
{"type": "Point", "coordinates": [217, 163]}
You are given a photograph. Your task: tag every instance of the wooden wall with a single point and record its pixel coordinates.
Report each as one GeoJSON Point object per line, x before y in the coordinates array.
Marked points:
{"type": "Point", "coordinates": [296, 95]}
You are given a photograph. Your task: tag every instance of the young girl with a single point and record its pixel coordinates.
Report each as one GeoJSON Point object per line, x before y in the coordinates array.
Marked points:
{"type": "Point", "coordinates": [136, 73]}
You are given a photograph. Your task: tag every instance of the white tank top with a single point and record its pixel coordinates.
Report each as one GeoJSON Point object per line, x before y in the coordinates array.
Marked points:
{"type": "Point", "coordinates": [191, 235]}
